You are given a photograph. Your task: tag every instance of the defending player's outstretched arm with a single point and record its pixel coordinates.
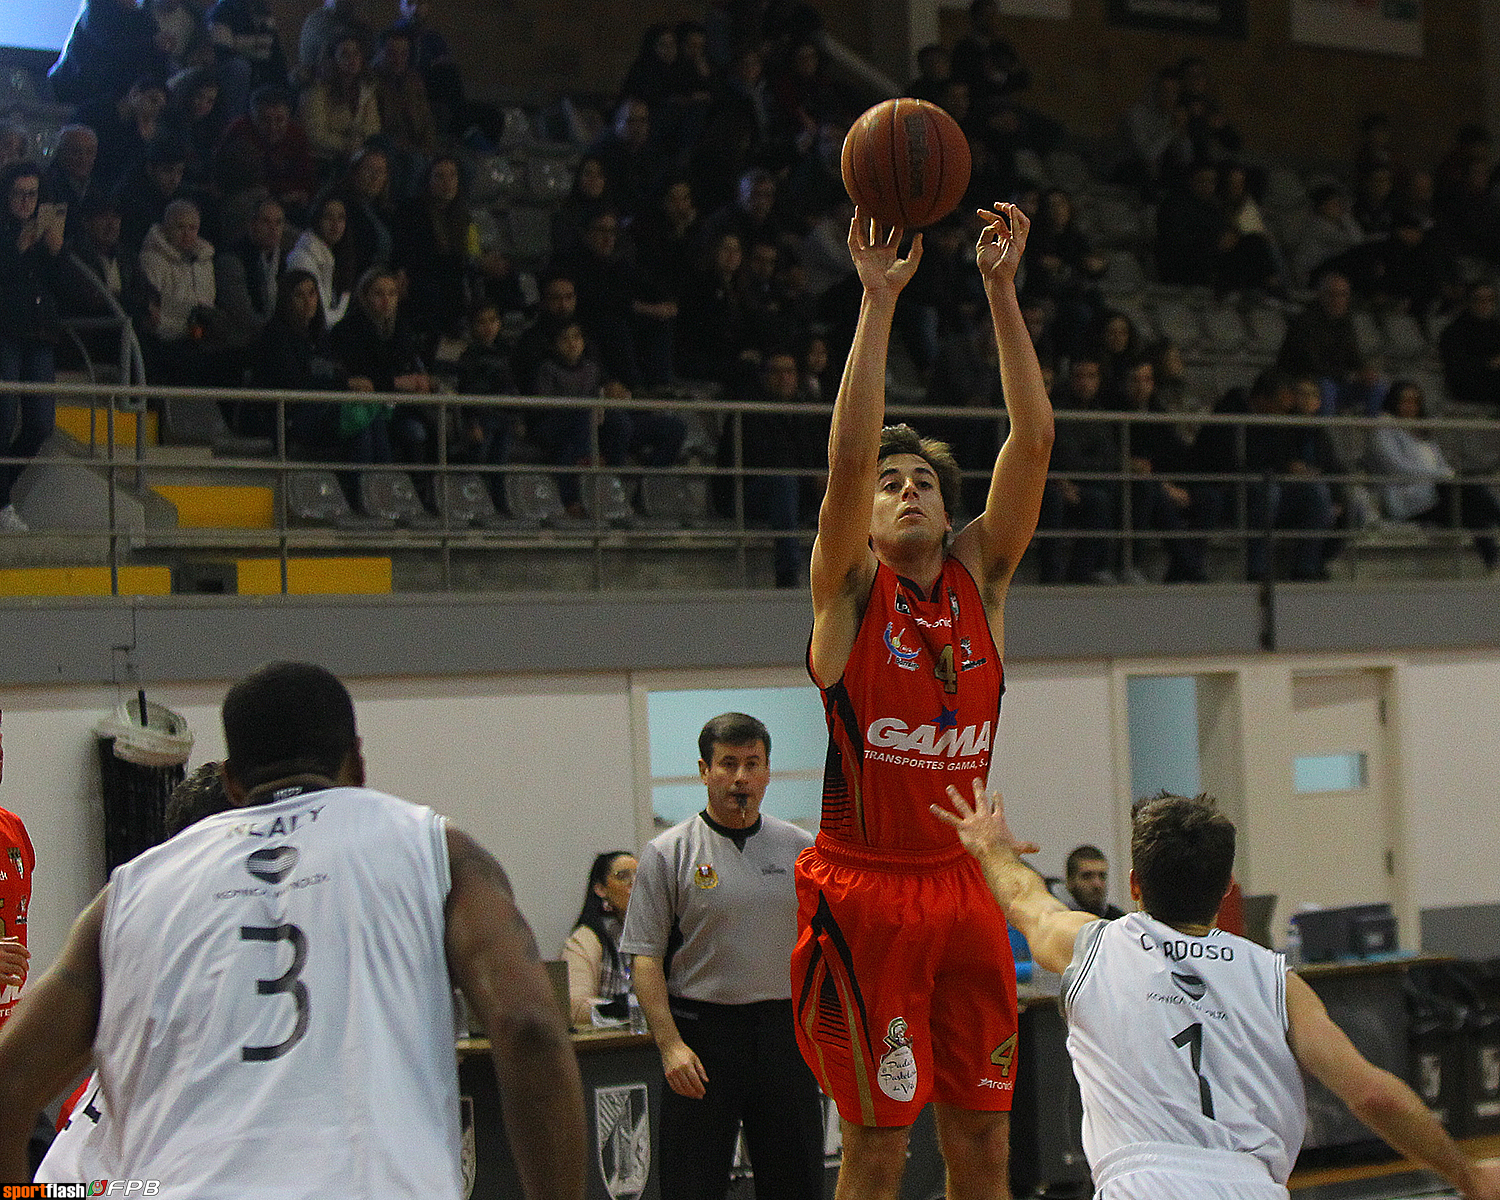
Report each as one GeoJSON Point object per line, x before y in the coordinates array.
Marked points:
{"type": "Point", "coordinates": [1049, 927]}
{"type": "Point", "coordinates": [47, 1041]}
{"type": "Point", "coordinates": [493, 958]}
{"type": "Point", "coordinates": [1377, 1097]}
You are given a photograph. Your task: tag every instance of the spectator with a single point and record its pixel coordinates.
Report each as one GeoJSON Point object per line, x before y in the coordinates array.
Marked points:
{"type": "Point", "coordinates": [965, 375]}
{"type": "Point", "coordinates": [1330, 231]}
{"type": "Point", "coordinates": [713, 328]}
{"type": "Point", "coordinates": [1085, 883]}
{"type": "Point", "coordinates": [1291, 495]}
{"type": "Point", "coordinates": [1063, 268]}
{"type": "Point", "coordinates": [668, 241]}
{"type": "Point", "coordinates": [30, 273]}
{"type": "Point", "coordinates": [634, 162]}
{"type": "Point", "coordinates": [484, 369]}
{"type": "Point", "coordinates": [434, 61]}
{"type": "Point", "coordinates": [431, 240]}
{"type": "Point", "coordinates": [1156, 127]}
{"type": "Point", "coordinates": [112, 43]}
{"type": "Point", "coordinates": [1470, 349]}
{"type": "Point", "coordinates": [586, 199]}
{"type": "Point", "coordinates": [754, 215]}
{"type": "Point", "coordinates": [773, 440]}
{"type": "Point", "coordinates": [1320, 341]}
{"type": "Point", "coordinates": [267, 149]}
{"type": "Point", "coordinates": [321, 28]}
{"type": "Point", "coordinates": [190, 341]}
{"type": "Point", "coordinates": [649, 76]}
{"type": "Point", "coordinates": [247, 274]}
{"type": "Point", "coordinates": [1088, 505]}
{"type": "Point", "coordinates": [1208, 129]}
{"type": "Point", "coordinates": [985, 60]}
{"type": "Point", "coordinates": [148, 187]}
{"type": "Point", "coordinates": [196, 115]}
{"type": "Point", "coordinates": [375, 342]}
{"type": "Point", "coordinates": [1461, 185]}
{"type": "Point", "coordinates": [125, 126]}
{"type": "Point", "coordinates": [1199, 244]}
{"type": "Point", "coordinates": [564, 434]}
{"type": "Point", "coordinates": [598, 974]}
{"type": "Point", "coordinates": [558, 307]}
{"type": "Point", "coordinates": [934, 69]}
{"type": "Point", "coordinates": [339, 110]}
{"type": "Point", "coordinates": [406, 117]}
{"type": "Point", "coordinates": [1374, 207]}
{"type": "Point", "coordinates": [97, 246]}
{"type": "Point", "coordinates": [69, 177]}
{"type": "Point", "coordinates": [1158, 502]}
{"type": "Point", "coordinates": [323, 252]}
{"type": "Point", "coordinates": [249, 49]}
{"type": "Point", "coordinates": [181, 34]}
{"type": "Point", "coordinates": [634, 332]}
{"type": "Point", "coordinates": [1423, 487]}
{"type": "Point", "coordinates": [365, 190]}
{"type": "Point", "coordinates": [296, 355]}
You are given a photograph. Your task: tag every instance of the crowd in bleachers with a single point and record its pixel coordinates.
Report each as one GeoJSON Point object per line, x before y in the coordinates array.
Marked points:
{"type": "Point", "coordinates": [336, 212]}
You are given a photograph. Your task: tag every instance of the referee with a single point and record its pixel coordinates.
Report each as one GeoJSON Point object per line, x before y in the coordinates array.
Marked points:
{"type": "Point", "coordinates": [711, 924]}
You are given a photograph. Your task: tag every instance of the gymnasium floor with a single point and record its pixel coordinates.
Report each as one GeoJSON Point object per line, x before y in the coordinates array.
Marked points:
{"type": "Point", "coordinates": [1398, 1180]}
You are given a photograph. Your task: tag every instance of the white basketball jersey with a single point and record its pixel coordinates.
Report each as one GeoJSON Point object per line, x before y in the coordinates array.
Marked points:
{"type": "Point", "coordinates": [277, 1012]}
{"type": "Point", "coordinates": [1182, 1041]}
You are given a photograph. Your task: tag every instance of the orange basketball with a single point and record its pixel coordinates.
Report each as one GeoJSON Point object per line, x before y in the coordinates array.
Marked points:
{"type": "Point", "coordinates": [906, 162]}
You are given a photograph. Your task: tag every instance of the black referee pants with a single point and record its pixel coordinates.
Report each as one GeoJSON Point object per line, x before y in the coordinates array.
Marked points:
{"type": "Point", "coordinates": [756, 1076]}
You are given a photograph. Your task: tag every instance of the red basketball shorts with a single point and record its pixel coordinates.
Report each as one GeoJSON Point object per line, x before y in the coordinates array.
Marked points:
{"type": "Point", "coordinates": [903, 983]}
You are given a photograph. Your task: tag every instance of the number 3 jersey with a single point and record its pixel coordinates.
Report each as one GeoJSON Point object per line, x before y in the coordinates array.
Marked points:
{"type": "Point", "coordinates": [1181, 1042]}
{"type": "Point", "coordinates": [915, 710]}
{"type": "Point", "coordinates": [277, 1016]}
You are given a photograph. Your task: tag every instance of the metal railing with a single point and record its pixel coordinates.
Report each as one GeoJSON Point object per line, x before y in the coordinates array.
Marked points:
{"type": "Point", "coordinates": [131, 470]}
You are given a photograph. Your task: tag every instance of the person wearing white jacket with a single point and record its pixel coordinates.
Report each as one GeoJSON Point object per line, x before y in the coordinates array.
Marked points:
{"type": "Point", "coordinates": [1419, 484]}
{"type": "Point", "coordinates": [180, 266]}
{"type": "Point", "coordinates": [319, 251]}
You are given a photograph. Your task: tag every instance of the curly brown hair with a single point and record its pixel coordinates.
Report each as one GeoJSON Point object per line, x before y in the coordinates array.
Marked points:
{"type": "Point", "coordinates": [1182, 850]}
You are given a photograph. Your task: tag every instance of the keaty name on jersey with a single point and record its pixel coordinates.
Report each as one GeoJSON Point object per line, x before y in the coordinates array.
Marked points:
{"type": "Point", "coordinates": [926, 742]}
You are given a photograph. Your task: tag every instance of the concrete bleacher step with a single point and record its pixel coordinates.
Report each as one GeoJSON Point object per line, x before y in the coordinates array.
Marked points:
{"type": "Point", "coordinates": [84, 581]}
{"type": "Point", "coordinates": [220, 506]}
{"type": "Point", "coordinates": [88, 425]}
{"type": "Point", "coordinates": [343, 575]}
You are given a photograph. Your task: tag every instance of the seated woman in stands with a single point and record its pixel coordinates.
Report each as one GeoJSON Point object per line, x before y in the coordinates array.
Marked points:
{"type": "Point", "coordinates": [1421, 486]}
{"type": "Point", "coordinates": [296, 355]}
{"type": "Point", "coordinates": [598, 976]}
{"type": "Point", "coordinates": [327, 255]}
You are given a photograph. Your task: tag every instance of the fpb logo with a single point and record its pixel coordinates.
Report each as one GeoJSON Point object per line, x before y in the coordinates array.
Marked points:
{"type": "Point", "coordinates": [125, 1187]}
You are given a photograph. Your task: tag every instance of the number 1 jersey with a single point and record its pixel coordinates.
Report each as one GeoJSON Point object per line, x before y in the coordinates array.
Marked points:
{"type": "Point", "coordinates": [277, 1016]}
{"type": "Point", "coordinates": [1181, 1041]}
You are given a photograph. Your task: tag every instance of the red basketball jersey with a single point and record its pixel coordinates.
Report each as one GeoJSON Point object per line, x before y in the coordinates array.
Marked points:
{"type": "Point", "coordinates": [16, 862]}
{"type": "Point", "coordinates": [915, 710]}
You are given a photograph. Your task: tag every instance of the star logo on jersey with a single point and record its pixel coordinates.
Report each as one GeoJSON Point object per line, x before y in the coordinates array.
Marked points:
{"type": "Point", "coordinates": [1190, 985]}
{"type": "Point", "coordinates": [273, 863]}
{"type": "Point", "coordinates": [903, 658]}
{"type": "Point", "coordinates": [947, 718]}
{"type": "Point", "coordinates": [705, 877]}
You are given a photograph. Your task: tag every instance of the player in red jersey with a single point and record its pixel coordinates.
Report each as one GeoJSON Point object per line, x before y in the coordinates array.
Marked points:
{"type": "Point", "coordinates": [17, 859]}
{"type": "Point", "coordinates": [902, 977]}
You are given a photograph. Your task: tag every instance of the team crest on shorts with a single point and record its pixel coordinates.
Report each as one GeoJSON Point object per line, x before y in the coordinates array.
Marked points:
{"type": "Point", "coordinates": [705, 876]}
{"type": "Point", "coordinates": [897, 1074]}
{"type": "Point", "coordinates": [622, 1124]}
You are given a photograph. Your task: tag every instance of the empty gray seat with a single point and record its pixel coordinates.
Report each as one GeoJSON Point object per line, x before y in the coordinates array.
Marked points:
{"type": "Point", "coordinates": [605, 501]}
{"type": "Point", "coordinates": [315, 497]}
{"type": "Point", "coordinates": [391, 494]}
{"type": "Point", "coordinates": [464, 499]}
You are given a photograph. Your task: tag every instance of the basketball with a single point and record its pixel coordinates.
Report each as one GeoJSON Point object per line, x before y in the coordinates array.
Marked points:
{"type": "Point", "coordinates": [906, 163]}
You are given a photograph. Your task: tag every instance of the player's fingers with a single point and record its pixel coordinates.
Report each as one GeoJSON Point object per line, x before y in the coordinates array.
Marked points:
{"type": "Point", "coordinates": [960, 805]}
{"type": "Point", "coordinates": [1027, 848]}
{"type": "Point", "coordinates": [943, 814]}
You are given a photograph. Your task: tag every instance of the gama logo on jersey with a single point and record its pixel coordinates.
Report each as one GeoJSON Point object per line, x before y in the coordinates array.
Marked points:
{"type": "Point", "coordinates": [941, 738]}
{"type": "Point", "coordinates": [900, 655]}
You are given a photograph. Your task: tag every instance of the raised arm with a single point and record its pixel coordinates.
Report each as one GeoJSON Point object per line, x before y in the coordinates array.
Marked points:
{"type": "Point", "coordinates": [1377, 1097]}
{"type": "Point", "coordinates": [493, 958]}
{"type": "Point", "coordinates": [1049, 927]}
{"type": "Point", "coordinates": [47, 1041]}
{"type": "Point", "coordinates": [991, 545]}
{"type": "Point", "coordinates": [842, 562]}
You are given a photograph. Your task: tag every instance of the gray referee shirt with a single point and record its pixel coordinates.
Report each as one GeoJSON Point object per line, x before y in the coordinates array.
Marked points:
{"type": "Point", "coordinates": [731, 895]}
